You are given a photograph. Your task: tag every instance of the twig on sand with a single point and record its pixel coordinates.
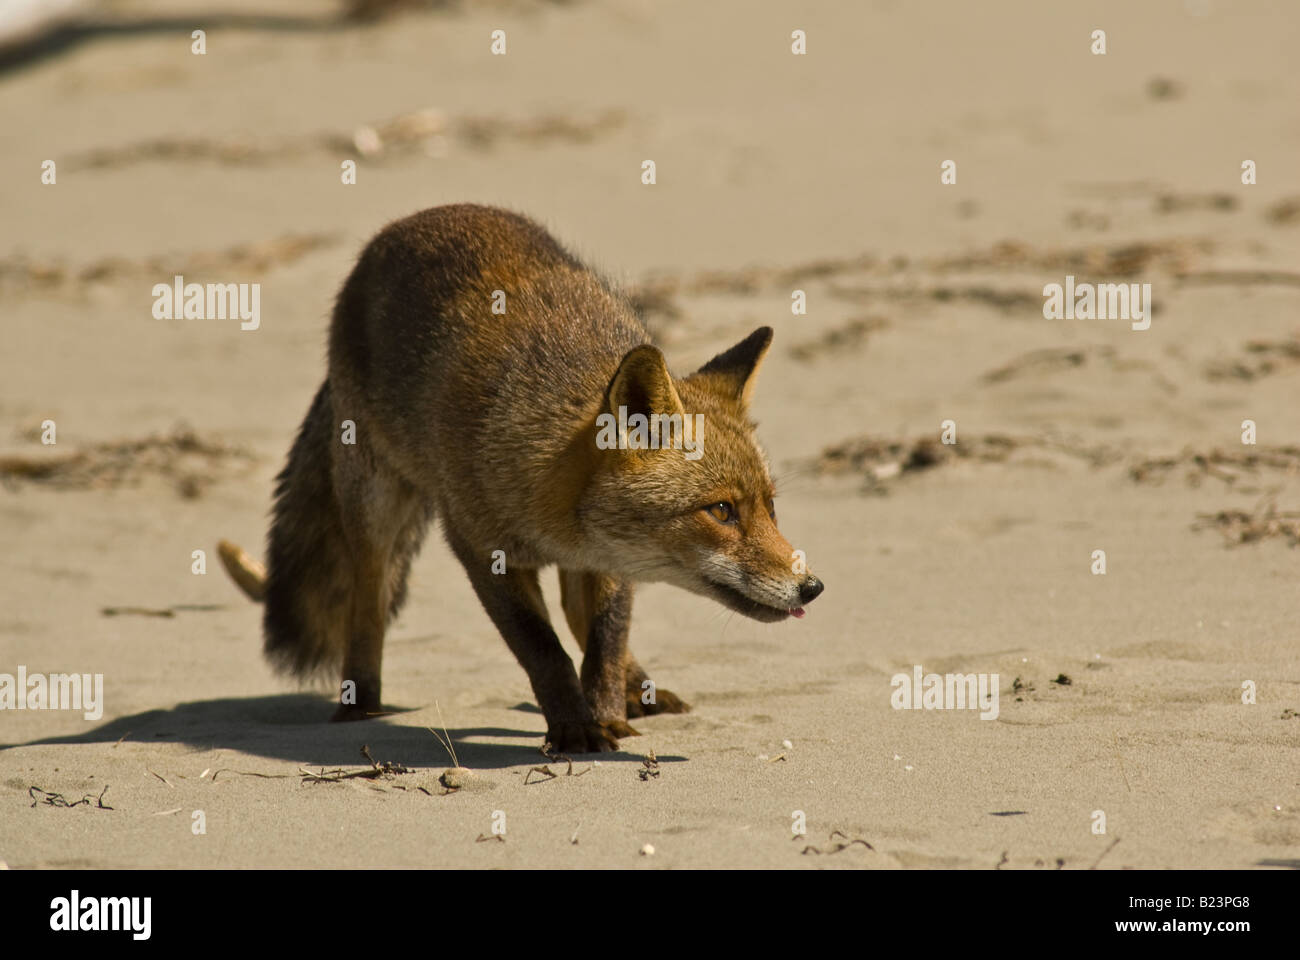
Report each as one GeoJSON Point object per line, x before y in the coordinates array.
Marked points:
{"type": "Point", "coordinates": [379, 770]}
{"type": "Point", "coordinates": [337, 775]}
{"type": "Point", "coordinates": [546, 770]}
{"type": "Point", "coordinates": [838, 846]}
{"type": "Point", "coordinates": [1104, 852]}
{"type": "Point", "coordinates": [252, 773]}
{"type": "Point", "coordinates": [51, 799]}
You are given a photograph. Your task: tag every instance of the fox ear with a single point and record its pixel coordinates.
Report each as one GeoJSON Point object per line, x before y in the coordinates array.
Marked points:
{"type": "Point", "coordinates": [732, 371]}
{"type": "Point", "coordinates": [643, 385]}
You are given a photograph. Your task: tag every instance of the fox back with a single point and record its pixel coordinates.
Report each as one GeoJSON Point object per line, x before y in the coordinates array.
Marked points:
{"type": "Point", "coordinates": [474, 345]}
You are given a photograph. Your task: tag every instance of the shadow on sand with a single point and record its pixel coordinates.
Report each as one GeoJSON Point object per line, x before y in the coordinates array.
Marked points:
{"type": "Point", "coordinates": [294, 727]}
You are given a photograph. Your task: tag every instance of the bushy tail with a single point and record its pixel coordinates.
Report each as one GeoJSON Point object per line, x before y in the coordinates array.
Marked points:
{"type": "Point", "coordinates": [308, 579]}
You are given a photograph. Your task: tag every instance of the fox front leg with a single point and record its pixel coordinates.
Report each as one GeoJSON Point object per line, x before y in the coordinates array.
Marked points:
{"type": "Point", "coordinates": [514, 602]}
{"type": "Point", "coordinates": [604, 661]}
{"type": "Point", "coordinates": [583, 595]}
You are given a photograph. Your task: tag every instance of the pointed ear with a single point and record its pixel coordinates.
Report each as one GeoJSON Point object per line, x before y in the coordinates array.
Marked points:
{"type": "Point", "coordinates": [643, 385]}
{"type": "Point", "coordinates": [732, 371]}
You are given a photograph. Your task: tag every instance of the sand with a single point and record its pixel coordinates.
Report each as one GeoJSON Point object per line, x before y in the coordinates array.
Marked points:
{"type": "Point", "coordinates": [1119, 693]}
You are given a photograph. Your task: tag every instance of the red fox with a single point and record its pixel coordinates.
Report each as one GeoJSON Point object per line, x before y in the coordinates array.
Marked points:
{"type": "Point", "coordinates": [479, 373]}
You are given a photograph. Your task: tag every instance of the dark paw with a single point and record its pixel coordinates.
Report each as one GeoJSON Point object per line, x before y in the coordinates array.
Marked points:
{"type": "Point", "coordinates": [351, 711]}
{"type": "Point", "coordinates": [581, 738]}
{"type": "Point", "coordinates": [665, 702]}
{"type": "Point", "coordinates": [621, 728]}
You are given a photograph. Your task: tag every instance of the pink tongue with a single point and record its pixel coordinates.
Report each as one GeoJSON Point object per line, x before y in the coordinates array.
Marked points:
{"type": "Point", "coordinates": [797, 612]}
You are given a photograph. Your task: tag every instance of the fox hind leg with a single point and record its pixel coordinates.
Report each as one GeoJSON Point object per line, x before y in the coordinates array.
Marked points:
{"type": "Point", "coordinates": [410, 538]}
{"type": "Point", "coordinates": [384, 520]}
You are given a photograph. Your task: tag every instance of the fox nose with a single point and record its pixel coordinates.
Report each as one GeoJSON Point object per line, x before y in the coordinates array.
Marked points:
{"type": "Point", "coordinates": [810, 590]}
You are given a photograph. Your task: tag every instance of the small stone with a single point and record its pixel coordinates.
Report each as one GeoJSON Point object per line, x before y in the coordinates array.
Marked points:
{"type": "Point", "coordinates": [648, 850]}
{"type": "Point", "coordinates": [457, 778]}
{"type": "Point", "coordinates": [367, 141]}
{"type": "Point", "coordinates": [787, 744]}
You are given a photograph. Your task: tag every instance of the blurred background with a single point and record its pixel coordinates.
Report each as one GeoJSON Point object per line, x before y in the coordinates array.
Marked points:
{"type": "Point", "coordinates": [775, 172]}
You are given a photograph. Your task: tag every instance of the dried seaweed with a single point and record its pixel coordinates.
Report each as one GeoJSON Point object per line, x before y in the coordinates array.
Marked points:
{"type": "Point", "coordinates": [189, 462]}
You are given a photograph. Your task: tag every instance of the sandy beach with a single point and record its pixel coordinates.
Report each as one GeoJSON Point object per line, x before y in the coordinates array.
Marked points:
{"type": "Point", "coordinates": [1162, 694]}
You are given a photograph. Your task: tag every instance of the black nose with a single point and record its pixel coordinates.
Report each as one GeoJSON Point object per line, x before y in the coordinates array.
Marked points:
{"type": "Point", "coordinates": [810, 590]}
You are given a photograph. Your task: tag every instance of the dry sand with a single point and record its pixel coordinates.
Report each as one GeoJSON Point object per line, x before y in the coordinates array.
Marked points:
{"type": "Point", "coordinates": [775, 172]}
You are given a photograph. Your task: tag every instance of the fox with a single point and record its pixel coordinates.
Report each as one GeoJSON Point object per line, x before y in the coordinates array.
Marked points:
{"type": "Point", "coordinates": [480, 375]}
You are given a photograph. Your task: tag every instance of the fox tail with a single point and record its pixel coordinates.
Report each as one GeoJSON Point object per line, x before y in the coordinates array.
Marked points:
{"type": "Point", "coordinates": [248, 574]}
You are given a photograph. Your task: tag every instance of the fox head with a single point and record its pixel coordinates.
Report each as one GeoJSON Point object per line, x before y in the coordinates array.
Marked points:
{"type": "Point", "coordinates": [680, 491]}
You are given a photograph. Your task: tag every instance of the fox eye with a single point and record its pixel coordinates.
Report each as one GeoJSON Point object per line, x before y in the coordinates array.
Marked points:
{"type": "Point", "coordinates": [771, 508]}
{"type": "Point", "coordinates": [722, 512]}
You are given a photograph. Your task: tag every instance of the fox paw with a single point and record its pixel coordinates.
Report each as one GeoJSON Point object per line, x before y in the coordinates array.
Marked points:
{"type": "Point", "coordinates": [665, 702]}
{"type": "Point", "coordinates": [582, 738]}
{"type": "Point", "coordinates": [621, 728]}
{"type": "Point", "coordinates": [348, 712]}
